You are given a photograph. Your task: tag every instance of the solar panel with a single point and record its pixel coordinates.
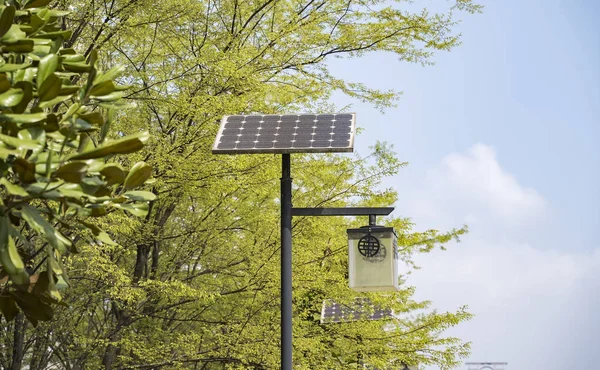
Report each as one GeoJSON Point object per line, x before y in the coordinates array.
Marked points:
{"type": "Point", "coordinates": [360, 309]}
{"type": "Point", "coordinates": [288, 133]}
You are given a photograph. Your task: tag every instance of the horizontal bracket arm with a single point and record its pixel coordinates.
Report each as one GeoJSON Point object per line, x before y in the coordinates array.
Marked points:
{"type": "Point", "coordinates": [349, 211]}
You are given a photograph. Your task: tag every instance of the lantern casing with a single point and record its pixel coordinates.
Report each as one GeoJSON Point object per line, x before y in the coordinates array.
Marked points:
{"type": "Point", "coordinates": [373, 259]}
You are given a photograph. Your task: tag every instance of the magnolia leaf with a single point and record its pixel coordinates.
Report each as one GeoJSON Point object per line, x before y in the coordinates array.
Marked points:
{"type": "Point", "coordinates": [55, 35]}
{"type": "Point", "coordinates": [23, 118]}
{"type": "Point", "coordinates": [103, 88]}
{"type": "Point", "coordinates": [137, 209]}
{"type": "Point", "coordinates": [113, 173]}
{"type": "Point", "coordinates": [32, 306]}
{"type": "Point", "coordinates": [95, 118]}
{"type": "Point", "coordinates": [142, 196]}
{"type": "Point", "coordinates": [109, 97]}
{"type": "Point", "coordinates": [11, 261]}
{"type": "Point", "coordinates": [20, 46]}
{"type": "Point", "coordinates": [4, 83]}
{"type": "Point", "coordinates": [109, 75]}
{"type": "Point", "coordinates": [8, 307]}
{"type": "Point", "coordinates": [25, 170]}
{"type": "Point", "coordinates": [72, 172]}
{"type": "Point", "coordinates": [128, 144]}
{"type": "Point", "coordinates": [11, 97]}
{"type": "Point", "coordinates": [5, 153]}
{"type": "Point", "coordinates": [105, 238]}
{"type": "Point", "coordinates": [33, 217]}
{"type": "Point", "coordinates": [78, 67]}
{"type": "Point", "coordinates": [36, 3]}
{"type": "Point", "coordinates": [139, 173]}
{"type": "Point", "coordinates": [13, 189]}
{"type": "Point", "coordinates": [50, 88]}
{"type": "Point", "coordinates": [13, 34]}
{"type": "Point", "coordinates": [6, 19]}
{"type": "Point", "coordinates": [53, 102]}
{"type": "Point", "coordinates": [19, 143]}
{"type": "Point", "coordinates": [41, 284]}
{"type": "Point", "coordinates": [8, 67]}
{"type": "Point", "coordinates": [33, 133]}
{"type": "Point", "coordinates": [68, 90]}
{"type": "Point", "coordinates": [46, 68]}
{"type": "Point", "coordinates": [27, 88]}
{"type": "Point", "coordinates": [61, 283]}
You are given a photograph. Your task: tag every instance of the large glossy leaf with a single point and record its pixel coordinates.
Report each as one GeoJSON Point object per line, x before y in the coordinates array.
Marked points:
{"type": "Point", "coordinates": [4, 83]}
{"type": "Point", "coordinates": [128, 144]}
{"type": "Point", "coordinates": [27, 88]}
{"type": "Point", "coordinates": [23, 118]}
{"type": "Point", "coordinates": [140, 196]}
{"type": "Point", "coordinates": [37, 222]}
{"type": "Point", "coordinates": [33, 307]}
{"type": "Point", "coordinates": [19, 143]}
{"type": "Point", "coordinates": [139, 209]}
{"type": "Point", "coordinates": [11, 98]}
{"type": "Point", "coordinates": [99, 233]}
{"type": "Point", "coordinates": [138, 174]}
{"type": "Point", "coordinates": [109, 75]}
{"type": "Point", "coordinates": [13, 189]}
{"type": "Point", "coordinates": [103, 88]}
{"type": "Point", "coordinates": [12, 264]}
{"type": "Point", "coordinates": [46, 68]}
{"type": "Point", "coordinates": [19, 46]}
{"type": "Point", "coordinates": [36, 3]}
{"type": "Point", "coordinates": [113, 173]}
{"type": "Point", "coordinates": [50, 88]}
{"type": "Point", "coordinates": [78, 67]}
{"type": "Point", "coordinates": [9, 67]}
{"type": "Point", "coordinates": [95, 118]}
{"type": "Point", "coordinates": [8, 307]}
{"type": "Point", "coordinates": [6, 19]}
{"type": "Point", "coordinates": [25, 170]}
{"type": "Point", "coordinates": [114, 96]}
{"type": "Point", "coordinates": [72, 172]}
{"type": "Point", "coordinates": [13, 34]}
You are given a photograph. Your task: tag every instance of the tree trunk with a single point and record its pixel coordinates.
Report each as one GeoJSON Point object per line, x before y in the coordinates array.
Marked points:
{"type": "Point", "coordinates": [18, 339]}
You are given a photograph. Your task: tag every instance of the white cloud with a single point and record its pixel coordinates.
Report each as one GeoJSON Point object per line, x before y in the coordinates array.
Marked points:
{"type": "Point", "coordinates": [472, 188]}
{"type": "Point", "coordinates": [534, 304]}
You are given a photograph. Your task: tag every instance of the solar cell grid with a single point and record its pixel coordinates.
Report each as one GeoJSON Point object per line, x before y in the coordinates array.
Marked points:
{"type": "Point", "coordinates": [286, 133]}
{"type": "Point", "coordinates": [360, 309]}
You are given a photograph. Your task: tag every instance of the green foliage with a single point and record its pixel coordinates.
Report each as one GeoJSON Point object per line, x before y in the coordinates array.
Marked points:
{"type": "Point", "coordinates": [195, 283]}
{"type": "Point", "coordinates": [53, 154]}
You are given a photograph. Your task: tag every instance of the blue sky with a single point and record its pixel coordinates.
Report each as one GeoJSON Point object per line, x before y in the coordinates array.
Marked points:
{"type": "Point", "coordinates": [502, 133]}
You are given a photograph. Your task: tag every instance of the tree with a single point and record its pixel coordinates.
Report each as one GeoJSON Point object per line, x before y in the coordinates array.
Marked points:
{"type": "Point", "coordinates": [53, 145]}
{"type": "Point", "coordinates": [195, 283]}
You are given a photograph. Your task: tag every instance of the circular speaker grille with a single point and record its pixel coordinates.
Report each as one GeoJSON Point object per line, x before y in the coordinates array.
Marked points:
{"type": "Point", "coordinates": [368, 246]}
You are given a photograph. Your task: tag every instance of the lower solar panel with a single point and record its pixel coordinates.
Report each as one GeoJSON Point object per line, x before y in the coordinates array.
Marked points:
{"type": "Point", "coordinates": [360, 309]}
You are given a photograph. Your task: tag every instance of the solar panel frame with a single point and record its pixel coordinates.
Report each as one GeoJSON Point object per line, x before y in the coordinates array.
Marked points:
{"type": "Point", "coordinates": [236, 134]}
{"type": "Point", "coordinates": [360, 310]}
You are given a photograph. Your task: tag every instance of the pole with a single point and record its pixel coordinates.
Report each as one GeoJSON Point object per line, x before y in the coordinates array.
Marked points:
{"type": "Point", "coordinates": [286, 263]}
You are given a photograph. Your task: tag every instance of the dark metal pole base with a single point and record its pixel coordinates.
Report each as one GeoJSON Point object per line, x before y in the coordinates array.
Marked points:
{"type": "Point", "coordinates": [286, 263]}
